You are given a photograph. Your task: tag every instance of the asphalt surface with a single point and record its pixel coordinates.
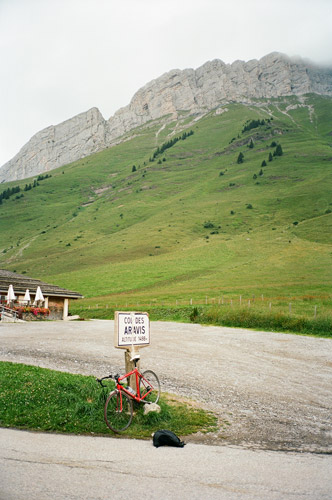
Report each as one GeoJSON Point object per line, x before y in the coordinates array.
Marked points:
{"type": "Point", "coordinates": [36, 466]}
{"type": "Point", "coordinates": [271, 392]}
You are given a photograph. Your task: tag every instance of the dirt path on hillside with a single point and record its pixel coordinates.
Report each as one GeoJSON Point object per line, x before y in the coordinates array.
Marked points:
{"type": "Point", "coordinates": [270, 390]}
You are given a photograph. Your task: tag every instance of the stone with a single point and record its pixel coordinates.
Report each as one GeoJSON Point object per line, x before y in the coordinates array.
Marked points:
{"type": "Point", "coordinates": [152, 407]}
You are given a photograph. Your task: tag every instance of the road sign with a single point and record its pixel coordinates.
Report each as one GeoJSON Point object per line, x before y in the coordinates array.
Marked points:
{"type": "Point", "coordinates": [131, 328]}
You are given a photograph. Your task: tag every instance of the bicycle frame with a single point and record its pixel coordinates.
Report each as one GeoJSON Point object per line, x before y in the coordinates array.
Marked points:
{"type": "Point", "coordinates": [138, 377]}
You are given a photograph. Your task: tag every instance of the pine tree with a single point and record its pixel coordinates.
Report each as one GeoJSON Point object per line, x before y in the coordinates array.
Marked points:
{"type": "Point", "coordinates": [279, 151]}
{"type": "Point", "coordinates": [240, 158]}
{"type": "Point", "coordinates": [263, 163]}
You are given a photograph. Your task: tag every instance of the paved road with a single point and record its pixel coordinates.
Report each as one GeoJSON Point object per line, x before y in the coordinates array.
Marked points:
{"type": "Point", "coordinates": [271, 391]}
{"type": "Point", "coordinates": [36, 466]}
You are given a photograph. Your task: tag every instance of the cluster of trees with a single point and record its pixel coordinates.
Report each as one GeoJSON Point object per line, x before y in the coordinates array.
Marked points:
{"type": "Point", "coordinates": [27, 187]}
{"type": "Point", "coordinates": [254, 124]}
{"type": "Point", "coordinates": [7, 193]}
{"type": "Point", "coordinates": [277, 152]}
{"type": "Point", "coordinates": [160, 150]}
{"type": "Point", "coordinates": [42, 177]}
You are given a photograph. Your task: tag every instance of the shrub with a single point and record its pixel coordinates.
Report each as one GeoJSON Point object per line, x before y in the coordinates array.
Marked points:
{"type": "Point", "coordinates": [194, 315]}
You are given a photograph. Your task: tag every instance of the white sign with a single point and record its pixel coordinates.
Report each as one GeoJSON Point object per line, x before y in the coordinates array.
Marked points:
{"type": "Point", "coordinates": [131, 328]}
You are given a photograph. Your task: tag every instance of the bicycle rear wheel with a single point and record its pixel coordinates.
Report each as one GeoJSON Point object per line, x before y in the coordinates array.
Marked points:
{"type": "Point", "coordinates": [118, 411]}
{"type": "Point", "coordinates": [149, 386]}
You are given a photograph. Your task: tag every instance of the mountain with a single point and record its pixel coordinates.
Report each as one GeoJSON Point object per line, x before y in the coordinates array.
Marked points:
{"type": "Point", "coordinates": [173, 213]}
{"type": "Point", "coordinates": [175, 95]}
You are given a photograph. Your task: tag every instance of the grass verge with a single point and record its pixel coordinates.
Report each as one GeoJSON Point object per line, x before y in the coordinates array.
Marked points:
{"type": "Point", "coordinates": [279, 322]}
{"type": "Point", "coordinates": [240, 317]}
{"type": "Point", "coordinates": [46, 400]}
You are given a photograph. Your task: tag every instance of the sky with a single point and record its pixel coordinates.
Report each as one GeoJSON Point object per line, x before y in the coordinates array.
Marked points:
{"type": "Point", "coordinates": [59, 58]}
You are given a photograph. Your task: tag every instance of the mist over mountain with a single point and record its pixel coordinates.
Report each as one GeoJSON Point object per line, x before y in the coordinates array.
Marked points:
{"type": "Point", "coordinates": [172, 96]}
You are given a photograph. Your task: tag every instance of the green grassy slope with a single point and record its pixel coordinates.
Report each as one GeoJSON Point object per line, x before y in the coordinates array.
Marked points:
{"type": "Point", "coordinates": [198, 223]}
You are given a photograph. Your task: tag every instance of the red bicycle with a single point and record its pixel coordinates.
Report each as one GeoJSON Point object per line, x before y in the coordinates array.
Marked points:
{"type": "Point", "coordinates": [118, 410]}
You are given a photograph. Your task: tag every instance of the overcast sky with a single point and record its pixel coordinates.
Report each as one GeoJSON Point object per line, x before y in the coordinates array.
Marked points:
{"type": "Point", "coordinates": [59, 58]}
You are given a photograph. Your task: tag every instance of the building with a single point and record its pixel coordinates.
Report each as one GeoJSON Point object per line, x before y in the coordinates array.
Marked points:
{"type": "Point", "coordinates": [56, 299]}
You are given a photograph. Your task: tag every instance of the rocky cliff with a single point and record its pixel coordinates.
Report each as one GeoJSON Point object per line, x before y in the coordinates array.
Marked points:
{"type": "Point", "coordinates": [58, 145]}
{"type": "Point", "coordinates": [194, 91]}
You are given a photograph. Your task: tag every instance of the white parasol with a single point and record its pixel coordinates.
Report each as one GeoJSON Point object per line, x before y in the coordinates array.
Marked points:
{"type": "Point", "coordinates": [26, 297]}
{"type": "Point", "coordinates": [10, 295]}
{"type": "Point", "coordinates": [39, 296]}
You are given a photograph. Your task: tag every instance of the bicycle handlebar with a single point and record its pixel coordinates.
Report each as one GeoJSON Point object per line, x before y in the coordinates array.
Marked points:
{"type": "Point", "coordinates": [100, 380]}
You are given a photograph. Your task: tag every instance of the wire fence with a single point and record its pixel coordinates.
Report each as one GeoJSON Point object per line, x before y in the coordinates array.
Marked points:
{"type": "Point", "coordinates": [257, 303]}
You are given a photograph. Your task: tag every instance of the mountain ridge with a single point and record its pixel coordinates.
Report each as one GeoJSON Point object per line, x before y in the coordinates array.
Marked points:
{"type": "Point", "coordinates": [186, 92]}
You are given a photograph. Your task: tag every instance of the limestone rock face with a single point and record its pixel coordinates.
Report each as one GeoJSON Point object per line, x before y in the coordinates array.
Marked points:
{"type": "Point", "coordinates": [215, 82]}
{"type": "Point", "coordinates": [58, 145]}
{"type": "Point", "coordinates": [194, 91]}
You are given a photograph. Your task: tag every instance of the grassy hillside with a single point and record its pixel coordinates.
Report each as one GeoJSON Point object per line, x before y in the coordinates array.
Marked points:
{"type": "Point", "coordinates": [193, 222]}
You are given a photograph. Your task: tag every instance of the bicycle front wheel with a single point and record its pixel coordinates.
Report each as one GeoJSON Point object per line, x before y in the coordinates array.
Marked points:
{"type": "Point", "coordinates": [149, 387]}
{"type": "Point", "coordinates": [118, 411]}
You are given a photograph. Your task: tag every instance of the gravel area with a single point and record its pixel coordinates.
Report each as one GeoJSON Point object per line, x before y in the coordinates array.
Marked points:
{"type": "Point", "coordinates": [270, 390]}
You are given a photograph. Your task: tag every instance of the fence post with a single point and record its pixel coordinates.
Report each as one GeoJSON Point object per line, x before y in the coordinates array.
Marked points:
{"type": "Point", "coordinates": [315, 312]}
{"type": "Point", "coordinates": [206, 300]}
{"type": "Point", "coordinates": [290, 308]}
{"type": "Point", "coordinates": [249, 303]}
{"type": "Point", "coordinates": [270, 305]}
{"type": "Point", "coordinates": [240, 299]}
{"type": "Point", "coordinates": [231, 302]}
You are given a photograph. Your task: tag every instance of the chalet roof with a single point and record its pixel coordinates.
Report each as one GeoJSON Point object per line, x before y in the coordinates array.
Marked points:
{"type": "Point", "coordinates": [21, 282]}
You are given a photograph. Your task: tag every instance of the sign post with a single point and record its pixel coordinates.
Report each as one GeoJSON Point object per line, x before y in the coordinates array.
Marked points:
{"type": "Point", "coordinates": [131, 332]}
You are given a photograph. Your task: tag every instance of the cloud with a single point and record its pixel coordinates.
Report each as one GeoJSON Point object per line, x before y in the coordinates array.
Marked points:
{"type": "Point", "coordinates": [62, 57]}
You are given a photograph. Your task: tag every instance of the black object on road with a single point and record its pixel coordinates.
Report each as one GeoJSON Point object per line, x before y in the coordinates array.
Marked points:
{"type": "Point", "coordinates": [166, 438]}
